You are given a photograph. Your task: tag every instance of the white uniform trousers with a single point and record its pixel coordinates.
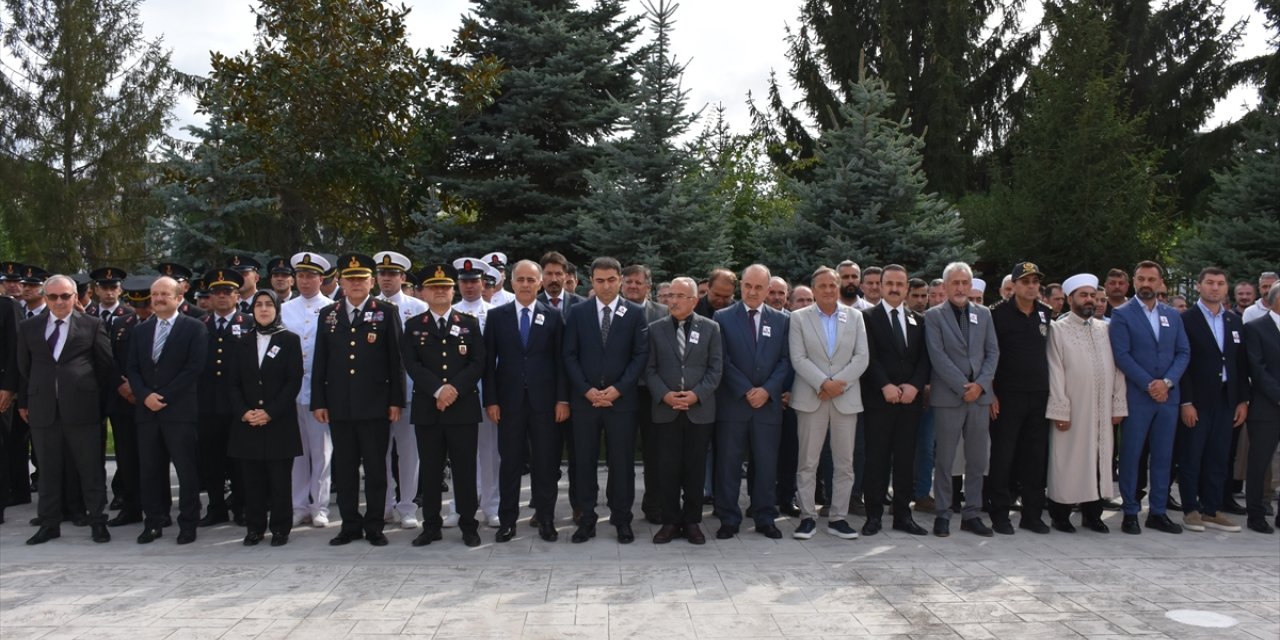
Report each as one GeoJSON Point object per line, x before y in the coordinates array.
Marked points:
{"type": "Point", "coordinates": [406, 447]}
{"type": "Point", "coordinates": [311, 470]}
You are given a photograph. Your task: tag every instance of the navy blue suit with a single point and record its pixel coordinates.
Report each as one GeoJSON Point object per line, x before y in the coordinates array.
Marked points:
{"type": "Point", "coordinates": [1144, 358]}
{"type": "Point", "coordinates": [525, 381]}
{"type": "Point", "coordinates": [592, 364]}
{"type": "Point", "coordinates": [751, 359]}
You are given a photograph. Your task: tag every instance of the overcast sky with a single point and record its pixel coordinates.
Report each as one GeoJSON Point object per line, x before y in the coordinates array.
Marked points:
{"type": "Point", "coordinates": [730, 45]}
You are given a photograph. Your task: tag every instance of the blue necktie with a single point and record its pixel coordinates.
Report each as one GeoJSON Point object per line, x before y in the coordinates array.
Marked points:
{"type": "Point", "coordinates": [162, 334]}
{"type": "Point", "coordinates": [524, 327]}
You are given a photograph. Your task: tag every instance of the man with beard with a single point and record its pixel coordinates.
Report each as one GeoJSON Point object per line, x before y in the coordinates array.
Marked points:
{"type": "Point", "coordinates": [555, 283]}
{"type": "Point", "coordinates": [851, 285]}
{"type": "Point", "coordinates": [776, 297]}
{"type": "Point", "coordinates": [1259, 308]}
{"type": "Point", "coordinates": [1245, 294]}
{"type": "Point", "coordinates": [1117, 288]}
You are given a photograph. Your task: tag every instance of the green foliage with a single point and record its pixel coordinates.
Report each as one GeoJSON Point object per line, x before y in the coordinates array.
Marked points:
{"type": "Point", "coordinates": [1242, 232]}
{"type": "Point", "coordinates": [1083, 194]}
{"type": "Point", "coordinates": [82, 98]}
{"type": "Point", "coordinates": [867, 200]}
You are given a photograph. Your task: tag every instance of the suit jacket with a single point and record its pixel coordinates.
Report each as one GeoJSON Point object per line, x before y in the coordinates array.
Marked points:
{"type": "Point", "coordinates": [514, 371]}
{"type": "Point", "coordinates": [1201, 383]}
{"type": "Point", "coordinates": [889, 364]}
{"type": "Point", "coordinates": [1141, 357]}
{"type": "Point", "coordinates": [955, 362]}
{"type": "Point", "coordinates": [68, 390]}
{"type": "Point", "coordinates": [1262, 352]}
{"type": "Point", "coordinates": [808, 351]}
{"type": "Point", "coordinates": [656, 311]}
{"type": "Point", "coordinates": [176, 375]}
{"type": "Point", "coordinates": [435, 358]}
{"type": "Point", "coordinates": [10, 312]}
{"type": "Point", "coordinates": [763, 361]}
{"type": "Point", "coordinates": [120, 332]}
{"type": "Point", "coordinates": [698, 371]}
{"type": "Point", "coordinates": [567, 301]}
{"type": "Point", "coordinates": [271, 386]}
{"type": "Point", "coordinates": [215, 380]}
{"type": "Point", "coordinates": [590, 364]}
{"type": "Point", "coordinates": [357, 372]}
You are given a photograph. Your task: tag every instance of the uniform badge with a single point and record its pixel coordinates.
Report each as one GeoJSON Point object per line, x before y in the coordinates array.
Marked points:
{"type": "Point", "coordinates": [1043, 318]}
{"type": "Point", "coordinates": [368, 316]}
{"type": "Point", "coordinates": [1044, 329]}
{"type": "Point", "coordinates": [235, 330]}
{"type": "Point", "coordinates": [462, 349]}
{"type": "Point", "coordinates": [371, 337]}
{"type": "Point", "coordinates": [455, 330]}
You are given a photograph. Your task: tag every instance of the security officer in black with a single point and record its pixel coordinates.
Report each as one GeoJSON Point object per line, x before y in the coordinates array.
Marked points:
{"type": "Point", "coordinates": [183, 275]}
{"type": "Point", "coordinates": [107, 303]}
{"type": "Point", "coordinates": [357, 388]}
{"type": "Point", "coordinates": [118, 318]}
{"type": "Point", "coordinates": [9, 310]}
{"type": "Point", "coordinates": [443, 352]}
{"type": "Point", "coordinates": [226, 325]}
{"type": "Point", "coordinates": [1019, 429]}
{"type": "Point", "coordinates": [281, 274]}
{"type": "Point", "coordinates": [248, 268]}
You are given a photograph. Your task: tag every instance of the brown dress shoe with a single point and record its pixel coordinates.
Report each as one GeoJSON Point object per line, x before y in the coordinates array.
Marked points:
{"type": "Point", "coordinates": [694, 534]}
{"type": "Point", "coordinates": [666, 533]}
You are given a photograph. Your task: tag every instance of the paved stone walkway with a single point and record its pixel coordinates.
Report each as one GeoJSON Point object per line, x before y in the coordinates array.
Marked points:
{"type": "Point", "coordinates": [889, 586]}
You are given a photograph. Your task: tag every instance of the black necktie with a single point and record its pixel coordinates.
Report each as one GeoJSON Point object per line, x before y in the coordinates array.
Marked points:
{"type": "Point", "coordinates": [31, 314]}
{"type": "Point", "coordinates": [751, 320]}
{"type": "Point", "coordinates": [899, 340]}
{"type": "Point", "coordinates": [441, 323]}
{"type": "Point", "coordinates": [222, 325]}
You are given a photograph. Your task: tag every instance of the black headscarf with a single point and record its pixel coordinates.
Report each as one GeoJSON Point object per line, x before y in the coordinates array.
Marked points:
{"type": "Point", "coordinates": [276, 326]}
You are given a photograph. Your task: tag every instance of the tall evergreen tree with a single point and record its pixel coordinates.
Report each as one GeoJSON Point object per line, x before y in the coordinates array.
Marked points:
{"type": "Point", "coordinates": [83, 97]}
{"type": "Point", "coordinates": [519, 166]}
{"type": "Point", "coordinates": [867, 199]}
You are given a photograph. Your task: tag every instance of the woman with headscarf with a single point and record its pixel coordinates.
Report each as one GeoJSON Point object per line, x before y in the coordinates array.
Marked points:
{"type": "Point", "coordinates": [265, 381]}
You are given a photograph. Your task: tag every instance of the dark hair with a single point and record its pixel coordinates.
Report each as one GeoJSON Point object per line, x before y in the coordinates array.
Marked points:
{"type": "Point", "coordinates": [821, 270]}
{"type": "Point", "coordinates": [1246, 283]}
{"type": "Point", "coordinates": [571, 269]}
{"type": "Point", "coordinates": [554, 257]}
{"type": "Point", "coordinates": [1117, 273]}
{"type": "Point", "coordinates": [1211, 271]}
{"type": "Point", "coordinates": [871, 271]}
{"type": "Point", "coordinates": [914, 283]}
{"type": "Point", "coordinates": [1051, 286]}
{"type": "Point", "coordinates": [1149, 264]}
{"type": "Point", "coordinates": [605, 263]}
{"type": "Point", "coordinates": [633, 269]}
{"type": "Point", "coordinates": [719, 273]}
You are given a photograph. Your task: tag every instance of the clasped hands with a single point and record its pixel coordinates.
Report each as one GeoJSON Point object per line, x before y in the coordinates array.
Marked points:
{"type": "Point", "coordinates": [256, 417]}
{"type": "Point", "coordinates": [899, 393]}
{"type": "Point", "coordinates": [602, 398]}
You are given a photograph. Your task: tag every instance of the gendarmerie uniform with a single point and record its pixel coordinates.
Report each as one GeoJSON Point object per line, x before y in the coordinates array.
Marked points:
{"type": "Point", "coordinates": [357, 376]}
{"type": "Point", "coordinates": [216, 414]}
{"type": "Point", "coordinates": [243, 264]}
{"type": "Point", "coordinates": [181, 274]}
{"type": "Point", "coordinates": [312, 473]}
{"type": "Point", "coordinates": [439, 351]}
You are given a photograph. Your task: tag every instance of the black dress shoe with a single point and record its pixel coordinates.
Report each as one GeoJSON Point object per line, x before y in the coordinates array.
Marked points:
{"type": "Point", "coordinates": [471, 538]}
{"type": "Point", "coordinates": [505, 533]}
{"type": "Point", "coordinates": [1096, 525]}
{"type": "Point", "coordinates": [1232, 507]}
{"type": "Point", "coordinates": [909, 525]}
{"type": "Point", "coordinates": [116, 504]}
{"type": "Point", "coordinates": [653, 516]}
{"type": "Point", "coordinates": [1173, 505]}
{"type": "Point", "coordinates": [44, 534]}
{"type": "Point", "coordinates": [1002, 527]}
{"type": "Point", "coordinates": [726, 531]}
{"type": "Point", "coordinates": [124, 518]}
{"type": "Point", "coordinates": [253, 538]}
{"type": "Point", "coordinates": [547, 531]}
{"type": "Point", "coordinates": [187, 537]}
{"type": "Point", "coordinates": [1034, 526]}
{"type": "Point", "coordinates": [769, 530]}
{"type": "Point", "coordinates": [789, 510]}
{"type": "Point", "coordinates": [666, 533]}
{"type": "Point", "coordinates": [583, 534]}
{"type": "Point", "coordinates": [693, 533]}
{"type": "Point", "coordinates": [1130, 525]}
{"type": "Point", "coordinates": [976, 526]}
{"type": "Point", "coordinates": [166, 522]}
{"type": "Point", "coordinates": [1260, 525]}
{"type": "Point", "coordinates": [750, 512]}
{"type": "Point", "coordinates": [346, 537]}
{"type": "Point", "coordinates": [429, 534]}
{"type": "Point", "coordinates": [213, 518]}
{"type": "Point", "coordinates": [856, 507]}
{"type": "Point", "coordinates": [377, 538]}
{"type": "Point", "coordinates": [941, 527]}
{"type": "Point", "coordinates": [238, 518]}
{"type": "Point", "coordinates": [149, 535]}
{"type": "Point", "coordinates": [79, 521]}
{"type": "Point", "coordinates": [625, 535]}
{"type": "Point", "coordinates": [279, 539]}
{"type": "Point", "coordinates": [98, 532]}
{"type": "Point", "coordinates": [35, 522]}
{"type": "Point", "coordinates": [1064, 526]}
{"type": "Point", "coordinates": [1163, 523]}
{"type": "Point", "coordinates": [871, 527]}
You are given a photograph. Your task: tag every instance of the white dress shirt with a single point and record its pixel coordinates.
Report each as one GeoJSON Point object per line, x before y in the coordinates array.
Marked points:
{"type": "Point", "coordinates": [302, 316]}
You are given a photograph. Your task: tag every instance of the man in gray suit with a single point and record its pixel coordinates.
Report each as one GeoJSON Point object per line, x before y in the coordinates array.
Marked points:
{"type": "Point", "coordinates": [64, 360]}
{"type": "Point", "coordinates": [685, 361]}
{"type": "Point", "coordinates": [963, 352]}
{"type": "Point", "coordinates": [828, 344]}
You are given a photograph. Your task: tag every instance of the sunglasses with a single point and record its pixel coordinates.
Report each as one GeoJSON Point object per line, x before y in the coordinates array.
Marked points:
{"type": "Point", "coordinates": [60, 296]}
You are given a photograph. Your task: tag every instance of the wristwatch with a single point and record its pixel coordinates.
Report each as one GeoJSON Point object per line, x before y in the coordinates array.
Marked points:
{"type": "Point", "coordinates": [1168, 383]}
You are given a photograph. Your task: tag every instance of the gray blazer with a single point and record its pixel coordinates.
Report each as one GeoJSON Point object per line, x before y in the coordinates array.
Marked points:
{"type": "Point", "coordinates": [698, 372]}
{"type": "Point", "coordinates": [956, 363]}
{"type": "Point", "coordinates": [808, 346]}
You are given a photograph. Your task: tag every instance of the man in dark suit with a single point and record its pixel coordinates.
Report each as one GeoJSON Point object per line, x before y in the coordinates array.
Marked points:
{"type": "Point", "coordinates": [1215, 402]}
{"type": "Point", "coordinates": [686, 361]}
{"type": "Point", "coordinates": [636, 285]}
{"type": "Point", "coordinates": [357, 388]}
{"type": "Point", "coordinates": [893, 393]}
{"type": "Point", "coordinates": [527, 396]}
{"type": "Point", "coordinates": [9, 313]}
{"type": "Point", "coordinates": [182, 275]}
{"type": "Point", "coordinates": [166, 356]}
{"type": "Point", "coordinates": [1151, 348]}
{"type": "Point", "coordinates": [64, 362]}
{"type": "Point", "coordinates": [443, 351]}
{"type": "Point", "coordinates": [606, 348]}
{"type": "Point", "coordinates": [557, 274]}
{"type": "Point", "coordinates": [1262, 350]}
{"type": "Point", "coordinates": [225, 324]}
{"type": "Point", "coordinates": [757, 370]}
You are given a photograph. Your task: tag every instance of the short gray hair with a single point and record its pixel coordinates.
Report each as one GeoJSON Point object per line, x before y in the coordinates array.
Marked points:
{"type": "Point", "coordinates": [687, 281]}
{"type": "Point", "coordinates": [954, 267]}
{"type": "Point", "coordinates": [61, 278]}
{"type": "Point", "coordinates": [1272, 294]}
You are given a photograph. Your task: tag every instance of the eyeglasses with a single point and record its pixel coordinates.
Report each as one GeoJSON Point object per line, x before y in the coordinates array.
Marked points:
{"type": "Point", "coordinates": [60, 296]}
{"type": "Point", "coordinates": [679, 296]}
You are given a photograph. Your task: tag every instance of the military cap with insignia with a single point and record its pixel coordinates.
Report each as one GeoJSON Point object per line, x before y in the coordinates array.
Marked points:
{"type": "Point", "coordinates": [241, 262]}
{"type": "Point", "coordinates": [137, 289]}
{"type": "Point", "coordinates": [223, 279]}
{"type": "Point", "coordinates": [491, 274]}
{"type": "Point", "coordinates": [469, 268]}
{"type": "Point", "coordinates": [413, 279]}
{"type": "Point", "coordinates": [441, 274]}
{"type": "Point", "coordinates": [1024, 269]}
{"type": "Point", "coordinates": [355, 265]}
{"type": "Point", "coordinates": [197, 288]}
{"type": "Point", "coordinates": [174, 270]}
{"type": "Point", "coordinates": [108, 275]}
{"type": "Point", "coordinates": [279, 265]}
{"type": "Point", "coordinates": [82, 283]}
{"type": "Point", "coordinates": [392, 261]}
{"type": "Point", "coordinates": [497, 260]}
{"type": "Point", "coordinates": [333, 264]}
{"type": "Point", "coordinates": [11, 271]}
{"type": "Point", "coordinates": [34, 275]}
{"type": "Point", "coordinates": [310, 261]}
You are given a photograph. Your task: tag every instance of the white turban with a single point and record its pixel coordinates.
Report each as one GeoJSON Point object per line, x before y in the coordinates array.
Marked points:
{"type": "Point", "coordinates": [980, 285]}
{"type": "Point", "coordinates": [1079, 280]}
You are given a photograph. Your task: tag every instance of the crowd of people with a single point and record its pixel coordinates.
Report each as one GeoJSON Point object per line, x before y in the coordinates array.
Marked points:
{"type": "Point", "coordinates": [860, 391]}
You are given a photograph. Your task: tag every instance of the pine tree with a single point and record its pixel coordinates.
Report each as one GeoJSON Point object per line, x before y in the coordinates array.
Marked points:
{"type": "Point", "coordinates": [83, 97]}
{"type": "Point", "coordinates": [1242, 232]}
{"type": "Point", "coordinates": [867, 200]}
